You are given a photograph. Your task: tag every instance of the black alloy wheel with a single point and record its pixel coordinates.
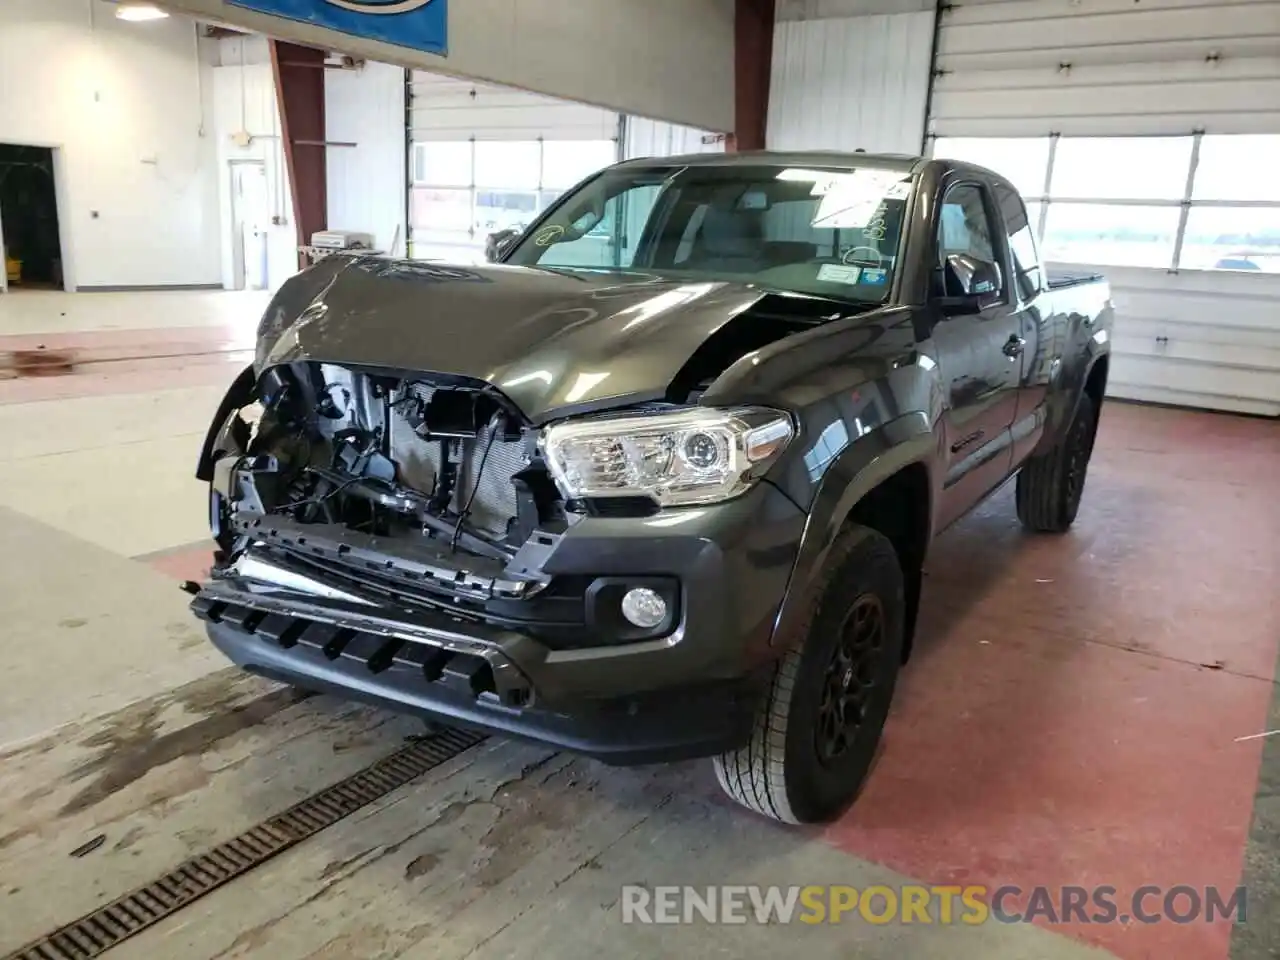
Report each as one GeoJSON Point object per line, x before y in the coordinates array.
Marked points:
{"type": "Point", "coordinates": [850, 678]}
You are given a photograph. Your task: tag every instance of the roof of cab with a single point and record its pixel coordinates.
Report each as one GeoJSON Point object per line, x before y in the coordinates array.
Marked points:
{"type": "Point", "coordinates": [807, 158]}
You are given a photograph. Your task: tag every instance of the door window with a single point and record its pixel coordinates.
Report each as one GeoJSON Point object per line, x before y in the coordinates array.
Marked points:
{"type": "Point", "coordinates": [964, 226]}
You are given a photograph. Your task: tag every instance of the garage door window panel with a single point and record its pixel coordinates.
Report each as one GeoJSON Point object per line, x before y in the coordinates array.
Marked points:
{"type": "Point", "coordinates": [445, 210]}
{"type": "Point", "coordinates": [1112, 235]}
{"type": "Point", "coordinates": [1023, 161]}
{"type": "Point", "coordinates": [566, 163]}
{"type": "Point", "coordinates": [1232, 238]}
{"type": "Point", "coordinates": [1243, 167]}
{"type": "Point", "coordinates": [1121, 168]}
{"type": "Point", "coordinates": [504, 209]}
{"type": "Point", "coordinates": [508, 164]}
{"type": "Point", "coordinates": [443, 163]}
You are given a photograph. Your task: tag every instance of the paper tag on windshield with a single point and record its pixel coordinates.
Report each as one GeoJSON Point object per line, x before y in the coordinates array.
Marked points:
{"type": "Point", "coordinates": [839, 273]}
{"type": "Point", "coordinates": [849, 201]}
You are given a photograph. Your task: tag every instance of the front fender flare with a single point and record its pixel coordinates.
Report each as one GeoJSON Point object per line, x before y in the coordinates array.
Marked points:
{"type": "Point", "coordinates": [862, 466]}
{"type": "Point", "coordinates": [239, 394]}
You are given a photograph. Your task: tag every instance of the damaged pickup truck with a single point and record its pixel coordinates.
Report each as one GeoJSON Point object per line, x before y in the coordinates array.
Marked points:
{"type": "Point", "coordinates": [660, 481]}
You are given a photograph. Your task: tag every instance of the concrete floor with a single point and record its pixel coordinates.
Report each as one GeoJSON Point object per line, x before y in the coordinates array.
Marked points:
{"type": "Point", "coordinates": [1072, 714]}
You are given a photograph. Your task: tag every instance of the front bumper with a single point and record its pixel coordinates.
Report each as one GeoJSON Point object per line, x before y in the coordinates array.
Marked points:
{"type": "Point", "coordinates": [689, 693]}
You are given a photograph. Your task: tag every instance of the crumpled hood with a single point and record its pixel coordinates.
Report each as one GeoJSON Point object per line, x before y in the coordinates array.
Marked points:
{"type": "Point", "coordinates": [553, 342]}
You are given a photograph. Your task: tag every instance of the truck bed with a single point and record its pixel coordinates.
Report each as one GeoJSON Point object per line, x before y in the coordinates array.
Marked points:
{"type": "Point", "coordinates": [1062, 279]}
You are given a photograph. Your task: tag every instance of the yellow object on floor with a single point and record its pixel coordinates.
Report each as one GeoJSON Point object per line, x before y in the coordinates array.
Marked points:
{"type": "Point", "coordinates": [13, 270]}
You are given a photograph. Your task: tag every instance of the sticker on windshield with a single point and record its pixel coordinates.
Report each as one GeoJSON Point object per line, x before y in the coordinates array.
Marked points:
{"type": "Point", "coordinates": [548, 236]}
{"type": "Point", "coordinates": [838, 273]}
{"type": "Point", "coordinates": [875, 277]}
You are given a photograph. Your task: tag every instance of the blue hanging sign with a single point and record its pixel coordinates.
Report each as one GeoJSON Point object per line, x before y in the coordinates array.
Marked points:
{"type": "Point", "coordinates": [418, 24]}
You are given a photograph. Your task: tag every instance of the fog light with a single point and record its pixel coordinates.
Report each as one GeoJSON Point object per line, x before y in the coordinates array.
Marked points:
{"type": "Point", "coordinates": [644, 608]}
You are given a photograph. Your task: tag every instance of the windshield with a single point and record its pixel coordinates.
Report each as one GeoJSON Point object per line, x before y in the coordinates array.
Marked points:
{"type": "Point", "coordinates": [827, 232]}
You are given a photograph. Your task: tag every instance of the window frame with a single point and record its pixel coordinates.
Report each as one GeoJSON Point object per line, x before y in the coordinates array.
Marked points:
{"type": "Point", "coordinates": [1187, 203]}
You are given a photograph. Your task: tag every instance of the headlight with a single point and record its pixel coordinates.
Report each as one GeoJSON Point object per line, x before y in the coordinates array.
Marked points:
{"type": "Point", "coordinates": [693, 456]}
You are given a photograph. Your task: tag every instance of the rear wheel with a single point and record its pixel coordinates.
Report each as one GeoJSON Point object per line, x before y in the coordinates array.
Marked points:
{"type": "Point", "coordinates": [818, 726]}
{"type": "Point", "coordinates": [1049, 486]}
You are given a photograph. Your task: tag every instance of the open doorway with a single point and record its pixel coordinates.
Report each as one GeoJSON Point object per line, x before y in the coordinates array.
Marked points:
{"type": "Point", "coordinates": [250, 216]}
{"type": "Point", "coordinates": [29, 229]}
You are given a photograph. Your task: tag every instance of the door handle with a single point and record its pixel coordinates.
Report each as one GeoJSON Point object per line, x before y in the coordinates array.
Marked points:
{"type": "Point", "coordinates": [1014, 346]}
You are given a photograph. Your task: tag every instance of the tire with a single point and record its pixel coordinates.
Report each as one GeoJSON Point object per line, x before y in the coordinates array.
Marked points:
{"type": "Point", "coordinates": [788, 770]}
{"type": "Point", "coordinates": [1049, 486]}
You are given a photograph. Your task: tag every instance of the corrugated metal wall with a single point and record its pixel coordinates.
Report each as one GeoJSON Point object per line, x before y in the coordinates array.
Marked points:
{"type": "Point", "coordinates": [1190, 240]}
{"type": "Point", "coordinates": [850, 82]}
{"type": "Point", "coordinates": [365, 107]}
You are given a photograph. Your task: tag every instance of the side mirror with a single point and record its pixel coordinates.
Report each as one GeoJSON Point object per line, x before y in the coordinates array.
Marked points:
{"type": "Point", "coordinates": [497, 244]}
{"type": "Point", "coordinates": [971, 284]}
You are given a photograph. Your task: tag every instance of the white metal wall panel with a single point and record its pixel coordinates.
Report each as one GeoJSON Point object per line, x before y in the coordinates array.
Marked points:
{"type": "Point", "coordinates": [849, 83]}
{"type": "Point", "coordinates": [657, 138]}
{"type": "Point", "coordinates": [1202, 339]}
{"type": "Point", "coordinates": [1107, 67]}
{"type": "Point", "coordinates": [365, 108]}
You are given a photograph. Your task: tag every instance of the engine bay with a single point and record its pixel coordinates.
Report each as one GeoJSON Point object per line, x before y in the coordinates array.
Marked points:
{"type": "Point", "coordinates": [447, 465]}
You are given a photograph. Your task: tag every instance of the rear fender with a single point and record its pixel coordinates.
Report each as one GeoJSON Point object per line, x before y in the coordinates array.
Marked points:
{"type": "Point", "coordinates": [1064, 400]}
{"type": "Point", "coordinates": [862, 466]}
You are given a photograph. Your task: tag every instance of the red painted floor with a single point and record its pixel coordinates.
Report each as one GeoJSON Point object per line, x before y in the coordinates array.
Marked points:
{"type": "Point", "coordinates": [136, 376]}
{"type": "Point", "coordinates": [144, 342]}
{"type": "Point", "coordinates": [124, 361]}
{"type": "Point", "coordinates": [1056, 727]}
{"type": "Point", "coordinates": [190, 562]}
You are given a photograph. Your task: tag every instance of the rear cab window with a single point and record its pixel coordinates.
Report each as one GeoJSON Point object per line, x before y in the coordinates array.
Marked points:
{"type": "Point", "coordinates": [1021, 233]}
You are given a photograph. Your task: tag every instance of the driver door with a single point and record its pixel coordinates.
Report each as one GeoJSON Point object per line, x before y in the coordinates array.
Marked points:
{"type": "Point", "coordinates": [980, 377]}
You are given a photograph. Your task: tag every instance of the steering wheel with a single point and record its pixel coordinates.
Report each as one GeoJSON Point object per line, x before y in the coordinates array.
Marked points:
{"type": "Point", "coordinates": [851, 256]}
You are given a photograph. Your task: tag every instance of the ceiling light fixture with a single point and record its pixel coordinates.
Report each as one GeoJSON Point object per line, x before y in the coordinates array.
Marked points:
{"type": "Point", "coordinates": [138, 12]}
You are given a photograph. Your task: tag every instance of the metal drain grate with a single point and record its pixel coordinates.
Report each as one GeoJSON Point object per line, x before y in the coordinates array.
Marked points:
{"type": "Point", "coordinates": [99, 931]}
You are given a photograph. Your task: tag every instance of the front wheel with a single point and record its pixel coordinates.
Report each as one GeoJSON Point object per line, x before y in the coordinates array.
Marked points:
{"type": "Point", "coordinates": [819, 723]}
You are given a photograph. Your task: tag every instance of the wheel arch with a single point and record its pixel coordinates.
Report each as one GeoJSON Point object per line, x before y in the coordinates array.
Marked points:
{"type": "Point", "coordinates": [884, 481]}
{"type": "Point", "coordinates": [239, 394]}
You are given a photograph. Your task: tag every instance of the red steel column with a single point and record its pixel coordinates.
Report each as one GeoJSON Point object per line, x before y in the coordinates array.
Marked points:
{"type": "Point", "coordinates": [299, 75]}
{"type": "Point", "coordinates": [753, 60]}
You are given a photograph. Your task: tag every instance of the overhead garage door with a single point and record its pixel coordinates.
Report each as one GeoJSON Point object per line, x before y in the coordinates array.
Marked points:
{"type": "Point", "coordinates": [484, 158]}
{"type": "Point", "coordinates": [1146, 139]}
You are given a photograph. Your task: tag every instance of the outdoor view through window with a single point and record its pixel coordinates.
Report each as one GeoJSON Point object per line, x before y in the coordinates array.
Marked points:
{"type": "Point", "coordinates": [831, 233]}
